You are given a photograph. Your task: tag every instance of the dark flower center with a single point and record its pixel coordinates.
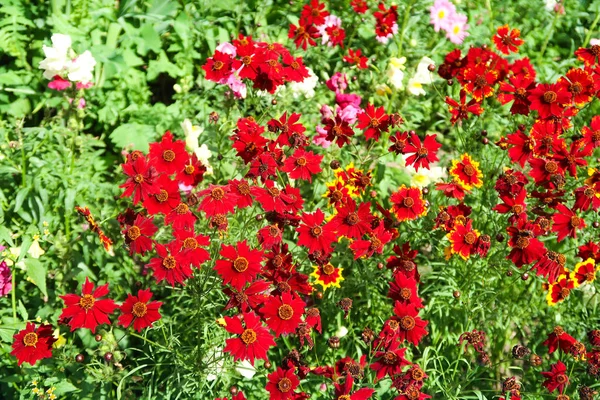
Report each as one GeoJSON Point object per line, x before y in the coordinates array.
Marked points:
{"type": "Point", "coordinates": [139, 178]}
{"type": "Point", "coordinates": [595, 50]}
{"type": "Point", "coordinates": [244, 188]}
{"type": "Point", "coordinates": [336, 195]}
{"type": "Point", "coordinates": [168, 155]}
{"type": "Point", "coordinates": [417, 374]}
{"type": "Point", "coordinates": [517, 209]}
{"type": "Point", "coordinates": [217, 65]}
{"type": "Point", "coordinates": [551, 167]}
{"type": "Point", "coordinates": [575, 221]}
{"type": "Point", "coordinates": [240, 264]}
{"type": "Point", "coordinates": [480, 81]}
{"type": "Point", "coordinates": [390, 358]}
{"type": "Point", "coordinates": [558, 330]}
{"type": "Point", "coordinates": [133, 232]}
{"type": "Point", "coordinates": [169, 262]}
{"type": "Point", "coordinates": [374, 122]}
{"type": "Point", "coordinates": [182, 208]}
{"type": "Point", "coordinates": [274, 192]}
{"type": "Point", "coordinates": [408, 202]}
{"type": "Point", "coordinates": [295, 65]}
{"type": "Point", "coordinates": [246, 60]}
{"type": "Point", "coordinates": [190, 243]}
{"type": "Point", "coordinates": [469, 170]}
{"type": "Point", "coordinates": [405, 293]}
{"type": "Point", "coordinates": [470, 238]}
{"type": "Point", "coordinates": [285, 312]}
{"type": "Point", "coordinates": [248, 336]}
{"type": "Point", "coordinates": [522, 242]}
{"type": "Point", "coordinates": [273, 231]}
{"type": "Point", "coordinates": [576, 88]}
{"type": "Point", "coordinates": [87, 301]}
{"type": "Point", "coordinates": [284, 385]}
{"type": "Point", "coordinates": [352, 219]}
{"type": "Point", "coordinates": [564, 293]}
{"type": "Point", "coordinates": [139, 309]}
{"type": "Point", "coordinates": [30, 339]}
{"type": "Point", "coordinates": [375, 243]}
{"type": "Point", "coordinates": [549, 97]}
{"type": "Point", "coordinates": [316, 231]}
{"type": "Point", "coordinates": [589, 192]}
{"type": "Point", "coordinates": [328, 269]}
{"type": "Point", "coordinates": [217, 193]}
{"type": "Point", "coordinates": [561, 378]}
{"type": "Point", "coordinates": [422, 152]}
{"type": "Point", "coordinates": [407, 323]}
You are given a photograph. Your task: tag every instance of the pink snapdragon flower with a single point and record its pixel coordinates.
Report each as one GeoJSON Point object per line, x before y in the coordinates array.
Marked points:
{"type": "Point", "coordinates": [320, 138]}
{"type": "Point", "coordinates": [5, 279]}
{"type": "Point", "coordinates": [337, 83]}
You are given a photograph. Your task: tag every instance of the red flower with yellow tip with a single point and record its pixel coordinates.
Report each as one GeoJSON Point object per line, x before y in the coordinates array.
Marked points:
{"type": "Point", "coordinates": [463, 240]}
{"type": "Point", "coordinates": [508, 40]}
{"type": "Point", "coordinates": [408, 203]}
{"type": "Point", "coordinates": [327, 275]}
{"type": "Point", "coordinates": [584, 271]}
{"type": "Point", "coordinates": [560, 290]}
{"type": "Point", "coordinates": [466, 172]}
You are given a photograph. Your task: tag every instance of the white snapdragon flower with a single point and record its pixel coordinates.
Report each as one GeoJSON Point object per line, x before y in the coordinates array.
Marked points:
{"type": "Point", "coordinates": [421, 77]}
{"type": "Point", "coordinates": [192, 133]}
{"type": "Point", "coordinates": [245, 369]}
{"type": "Point", "coordinates": [395, 72]}
{"type": "Point", "coordinates": [82, 67]}
{"type": "Point", "coordinates": [57, 60]}
{"type": "Point", "coordinates": [203, 153]}
{"type": "Point", "coordinates": [305, 88]}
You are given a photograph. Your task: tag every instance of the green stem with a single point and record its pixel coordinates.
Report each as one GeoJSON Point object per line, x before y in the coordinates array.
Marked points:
{"type": "Point", "coordinates": [14, 292]}
{"type": "Point", "coordinates": [404, 24]}
{"type": "Point", "coordinates": [148, 340]}
{"type": "Point", "coordinates": [591, 30]}
{"type": "Point", "coordinates": [547, 40]}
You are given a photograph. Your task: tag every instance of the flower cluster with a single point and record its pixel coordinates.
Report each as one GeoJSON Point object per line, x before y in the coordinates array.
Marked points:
{"type": "Point", "coordinates": [63, 67]}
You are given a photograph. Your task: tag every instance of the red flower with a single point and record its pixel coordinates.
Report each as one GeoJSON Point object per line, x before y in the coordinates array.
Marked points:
{"type": "Point", "coordinates": [190, 246]}
{"type": "Point", "coordinates": [218, 67]}
{"type": "Point", "coordinates": [141, 178]}
{"type": "Point", "coordinates": [525, 248]}
{"type": "Point", "coordinates": [87, 310]}
{"type": "Point", "coordinates": [248, 140]}
{"type": "Point", "coordinates": [352, 221]}
{"type": "Point", "coordinates": [478, 81]}
{"type": "Point", "coordinates": [241, 264]}
{"type": "Point", "coordinates": [584, 271]}
{"type": "Point", "coordinates": [168, 156]}
{"type": "Point", "coordinates": [192, 173]}
{"type": "Point", "coordinates": [217, 200]}
{"type": "Point", "coordinates": [303, 165]}
{"type": "Point", "coordinates": [139, 310]}
{"type": "Point", "coordinates": [560, 290]}
{"type": "Point", "coordinates": [282, 383]}
{"type": "Point", "coordinates": [171, 264]}
{"type": "Point", "coordinates": [338, 130]}
{"type": "Point", "coordinates": [466, 172]}
{"type": "Point", "coordinates": [422, 154]}
{"type": "Point", "coordinates": [181, 217]}
{"type": "Point", "coordinates": [270, 236]}
{"type": "Point", "coordinates": [569, 160]}
{"type": "Point", "coordinates": [451, 189]}
{"type": "Point", "coordinates": [549, 99]}
{"type": "Point", "coordinates": [270, 197]}
{"type": "Point", "coordinates": [591, 134]}
{"type": "Point", "coordinates": [253, 340]}
{"type": "Point", "coordinates": [327, 275]}
{"type": "Point", "coordinates": [588, 56]}
{"type": "Point", "coordinates": [543, 170]}
{"type": "Point", "coordinates": [355, 57]}
{"type": "Point", "coordinates": [463, 240]}
{"type": "Point", "coordinates": [250, 298]}
{"type": "Point", "coordinates": [314, 13]}
{"type": "Point", "coordinates": [521, 147]}
{"type": "Point", "coordinates": [557, 377]}
{"type": "Point", "coordinates": [166, 199]}
{"type": "Point", "coordinates": [404, 261]}
{"type": "Point", "coordinates": [263, 166]}
{"type": "Point", "coordinates": [291, 132]}
{"type": "Point", "coordinates": [294, 70]}
{"type": "Point", "coordinates": [404, 290]}
{"type": "Point", "coordinates": [390, 362]}
{"type": "Point", "coordinates": [241, 189]}
{"type": "Point", "coordinates": [303, 34]}
{"type": "Point", "coordinates": [408, 203]}
{"type": "Point", "coordinates": [518, 91]}
{"type": "Point", "coordinates": [558, 338]}
{"type": "Point", "coordinates": [283, 314]}
{"type": "Point", "coordinates": [374, 121]}
{"type": "Point", "coordinates": [342, 391]}
{"type": "Point", "coordinates": [508, 40]}
{"type": "Point", "coordinates": [461, 110]}
{"type": "Point", "coordinates": [399, 142]}
{"type": "Point", "coordinates": [551, 265]}
{"type": "Point", "coordinates": [412, 328]}
{"type": "Point", "coordinates": [580, 84]}
{"type": "Point", "coordinates": [361, 7]}
{"type": "Point", "coordinates": [336, 35]}
{"type": "Point", "coordinates": [139, 235]}
{"type": "Point", "coordinates": [566, 223]}
{"type": "Point", "coordinates": [378, 237]}
{"type": "Point", "coordinates": [32, 344]}
{"type": "Point", "coordinates": [313, 235]}
{"type": "Point", "coordinates": [515, 205]}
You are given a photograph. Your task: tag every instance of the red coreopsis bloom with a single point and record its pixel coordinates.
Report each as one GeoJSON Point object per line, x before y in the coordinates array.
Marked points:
{"type": "Point", "coordinates": [291, 132]}
{"type": "Point", "coordinates": [566, 223]}
{"type": "Point", "coordinates": [139, 310]}
{"type": "Point", "coordinates": [580, 84]}
{"type": "Point", "coordinates": [404, 290]}
{"type": "Point", "coordinates": [251, 297]}
{"type": "Point", "coordinates": [557, 377]}
{"type": "Point", "coordinates": [304, 35]}
{"type": "Point", "coordinates": [542, 171]}
{"type": "Point", "coordinates": [404, 262]}
{"type": "Point", "coordinates": [240, 266]}
{"type": "Point", "coordinates": [516, 90]}
{"type": "Point", "coordinates": [466, 172]}
{"type": "Point", "coordinates": [283, 314]}
{"type": "Point", "coordinates": [355, 57]}
{"type": "Point", "coordinates": [560, 290]}
{"type": "Point", "coordinates": [241, 189]}
{"type": "Point", "coordinates": [294, 70]}
{"type": "Point", "coordinates": [87, 310]}
{"type": "Point", "coordinates": [586, 197]}
{"type": "Point", "coordinates": [377, 238]}
{"type": "Point", "coordinates": [451, 189]}
{"type": "Point", "coordinates": [253, 340]}
{"type": "Point", "coordinates": [168, 156]}
{"type": "Point", "coordinates": [521, 147]}
{"type": "Point", "coordinates": [399, 142]}
{"type": "Point", "coordinates": [192, 173]}
{"type": "Point", "coordinates": [248, 140]}
{"type": "Point", "coordinates": [588, 56]}
{"type": "Point", "coordinates": [336, 35]}
{"type": "Point", "coordinates": [408, 203]}
{"type": "Point", "coordinates": [217, 200]}
{"type": "Point", "coordinates": [270, 236]}
{"type": "Point", "coordinates": [315, 236]}
{"type": "Point", "coordinates": [412, 328]}
{"type": "Point", "coordinates": [421, 154]}
{"type": "Point", "coordinates": [551, 265]}
{"type": "Point", "coordinates": [525, 247]}
{"type": "Point", "coordinates": [270, 197]}
{"type": "Point", "coordinates": [264, 166]}
{"type": "Point", "coordinates": [463, 240]}
{"type": "Point", "coordinates": [32, 344]}
{"type": "Point", "coordinates": [390, 362]}
{"type": "Point", "coordinates": [139, 235]}
{"type": "Point", "coordinates": [181, 217]}
{"type": "Point", "coordinates": [218, 67]}
{"type": "Point", "coordinates": [591, 134]}
{"type": "Point", "coordinates": [344, 391]}
{"type": "Point", "coordinates": [569, 160]}
{"type": "Point", "coordinates": [584, 272]}
{"type": "Point", "coordinates": [303, 165]}
{"type": "Point", "coordinates": [338, 130]}
{"type": "Point", "coordinates": [190, 246]}
{"type": "Point", "coordinates": [508, 40]}
{"type": "Point", "coordinates": [478, 81]}
{"type": "Point", "coordinates": [558, 338]}
{"type": "Point", "coordinates": [352, 221]}
{"type": "Point", "coordinates": [549, 100]}
{"type": "Point", "coordinates": [141, 179]}
{"type": "Point", "coordinates": [166, 199]}
{"type": "Point", "coordinates": [282, 383]}
{"type": "Point", "coordinates": [462, 110]}
{"type": "Point", "coordinates": [327, 275]}
{"type": "Point", "coordinates": [171, 264]}
{"type": "Point", "coordinates": [373, 121]}
{"type": "Point", "coordinates": [515, 205]}
{"type": "Point", "coordinates": [314, 13]}
{"type": "Point", "coordinates": [359, 6]}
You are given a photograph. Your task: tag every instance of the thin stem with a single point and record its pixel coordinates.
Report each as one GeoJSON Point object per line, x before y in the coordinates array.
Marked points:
{"type": "Point", "coordinates": [548, 37]}
{"type": "Point", "coordinates": [14, 292]}
{"type": "Point", "coordinates": [591, 30]}
{"type": "Point", "coordinates": [148, 340]}
{"type": "Point", "coordinates": [404, 24]}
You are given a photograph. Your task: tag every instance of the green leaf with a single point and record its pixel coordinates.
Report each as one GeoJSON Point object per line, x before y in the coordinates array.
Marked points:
{"type": "Point", "coordinates": [135, 136]}
{"type": "Point", "coordinates": [151, 39]}
{"type": "Point", "coordinates": [63, 387]}
{"type": "Point", "coordinates": [36, 271]}
{"type": "Point", "coordinates": [22, 311]}
{"type": "Point", "coordinates": [20, 198]}
{"type": "Point", "coordinates": [5, 236]}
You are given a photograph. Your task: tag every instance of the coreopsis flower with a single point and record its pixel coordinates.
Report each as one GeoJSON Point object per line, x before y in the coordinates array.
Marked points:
{"type": "Point", "coordinates": [141, 177]}
{"type": "Point", "coordinates": [294, 69]}
{"type": "Point", "coordinates": [591, 134]}
{"type": "Point", "coordinates": [549, 100]}
{"type": "Point", "coordinates": [191, 246]}
{"type": "Point", "coordinates": [283, 313]}
{"type": "Point", "coordinates": [520, 147]}
{"type": "Point", "coordinates": [580, 84]}
{"type": "Point", "coordinates": [253, 340]}
{"type": "Point", "coordinates": [385, 22]}
{"type": "Point", "coordinates": [543, 170]}
{"type": "Point", "coordinates": [569, 160]}
{"type": "Point", "coordinates": [138, 236]}
{"type": "Point", "coordinates": [5, 279]}
{"type": "Point", "coordinates": [139, 310]}
{"type": "Point", "coordinates": [314, 13]}
{"type": "Point", "coordinates": [560, 290]}
{"type": "Point", "coordinates": [181, 217]}
{"type": "Point", "coordinates": [507, 40]}
{"type": "Point", "coordinates": [251, 297]}
{"type": "Point", "coordinates": [566, 222]}
{"type": "Point", "coordinates": [374, 121]}
{"type": "Point", "coordinates": [403, 262]}
{"type": "Point", "coordinates": [270, 236]}
{"type": "Point", "coordinates": [303, 165]}
{"type": "Point", "coordinates": [411, 326]}
{"type": "Point", "coordinates": [355, 57]}
{"type": "Point", "coordinates": [171, 264]}
{"type": "Point", "coordinates": [344, 391]}
{"type": "Point", "coordinates": [240, 264]}
{"type": "Point", "coordinates": [463, 240]}
{"type": "Point", "coordinates": [377, 238]}
{"type": "Point", "coordinates": [408, 203]}
{"type": "Point", "coordinates": [478, 81]}
{"type": "Point", "coordinates": [313, 319]}
{"type": "Point", "coordinates": [557, 377]}
{"type": "Point", "coordinates": [167, 198]}
{"type": "Point", "coordinates": [282, 383]}
{"type": "Point", "coordinates": [33, 343]}
{"type": "Point", "coordinates": [584, 271]}
{"type": "Point", "coordinates": [590, 55]}
{"type": "Point", "coordinates": [291, 132]}
{"type": "Point", "coordinates": [466, 172]}
{"type": "Point", "coordinates": [313, 235]}
{"type": "Point", "coordinates": [517, 90]}
{"type": "Point", "coordinates": [88, 310]}
{"type": "Point", "coordinates": [304, 34]}
{"type": "Point", "coordinates": [327, 275]}
{"type": "Point", "coordinates": [270, 197]}
{"type": "Point", "coordinates": [218, 67]}
{"type": "Point", "coordinates": [442, 13]}
{"type": "Point", "coordinates": [551, 265]}
{"type": "Point", "coordinates": [217, 200]}
{"type": "Point", "coordinates": [420, 155]}
{"type": "Point", "coordinates": [558, 338]}
{"type": "Point", "coordinates": [195, 168]}
{"type": "Point", "coordinates": [404, 290]}
{"type": "Point", "coordinates": [513, 204]}
{"type": "Point", "coordinates": [351, 220]}
{"type": "Point", "coordinates": [168, 156]}
{"type": "Point", "coordinates": [586, 197]}
{"type": "Point", "coordinates": [338, 130]}
{"type": "Point", "coordinates": [390, 361]}
{"type": "Point", "coordinates": [525, 247]}
{"type": "Point", "coordinates": [460, 111]}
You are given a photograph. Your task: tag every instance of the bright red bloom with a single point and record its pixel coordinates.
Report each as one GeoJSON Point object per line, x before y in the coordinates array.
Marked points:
{"type": "Point", "coordinates": [313, 319]}
{"type": "Point", "coordinates": [139, 235]}
{"type": "Point", "coordinates": [327, 275]}
{"type": "Point", "coordinates": [518, 91]}
{"type": "Point", "coordinates": [291, 132]}
{"type": "Point", "coordinates": [551, 265]}
{"type": "Point", "coordinates": [270, 197]}
{"type": "Point", "coordinates": [355, 57]}
{"type": "Point", "coordinates": [168, 156]}
{"type": "Point", "coordinates": [478, 81]}
{"type": "Point", "coordinates": [591, 134]}
{"type": "Point", "coordinates": [141, 179]}
{"type": "Point", "coordinates": [390, 362]}
{"type": "Point", "coordinates": [508, 40]}
{"type": "Point", "coordinates": [352, 221]}
{"type": "Point", "coordinates": [521, 147]}
{"type": "Point", "coordinates": [451, 189]}
{"type": "Point", "coordinates": [377, 238]}
{"type": "Point", "coordinates": [181, 217]}
{"type": "Point", "coordinates": [166, 199]}
{"type": "Point", "coordinates": [87, 310]}
{"type": "Point", "coordinates": [282, 383]}
{"type": "Point", "coordinates": [423, 154]}
{"type": "Point", "coordinates": [569, 160]}
{"type": "Point", "coordinates": [303, 34]}
{"type": "Point", "coordinates": [558, 338]}
{"type": "Point", "coordinates": [549, 100]}
{"type": "Point", "coordinates": [461, 110]}
{"type": "Point", "coordinates": [253, 340]}
{"type": "Point", "coordinates": [373, 121]}
{"type": "Point", "coordinates": [404, 290]}
{"type": "Point", "coordinates": [190, 246]}
{"type": "Point", "coordinates": [557, 377]}
{"type": "Point", "coordinates": [192, 173]}
{"type": "Point", "coordinates": [408, 203]}
{"type": "Point", "coordinates": [412, 328]}
{"type": "Point", "coordinates": [463, 240]}
{"type": "Point", "coordinates": [303, 165]}
{"type": "Point", "coordinates": [523, 68]}
{"type": "Point", "coordinates": [240, 266]}
{"type": "Point", "coordinates": [270, 236]}
{"type": "Point", "coordinates": [361, 7]}
{"type": "Point", "coordinates": [404, 261]}
{"type": "Point", "coordinates": [314, 13]}
{"type": "Point", "coordinates": [336, 35]}
{"type": "Point", "coordinates": [250, 298]}
{"type": "Point", "coordinates": [294, 70]}
{"type": "Point", "coordinates": [588, 56]}
{"type": "Point", "coordinates": [171, 264]}
{"type": "Point", "coordinates": [338, 130]}
{"type": "Point", "coordinates": [139, 310]}
{"type": "Point", "coordinates": [513, 204]}
{"type": "Point", "coordinates": [218, 67]}
{"type": "Point", "coordinates": [241, 189]}
{"type": "Point", "coordinates": [248, 140]}
{"type": "Point", "coordinates": [525, 247]}
{"type": "Point", "coordinates": [586, 197]}
{"type": "Point", "coordinates": [217, 200]}
{"type": "Point", "coordinates": [580, 84]}
{"type": "Point", "coordinates": [560, 290]}
{"type": "Point", "coordinates": [566, 222]}
{"type": "Point", "coordinates": [399, 142]}
{"type": "Point", "coordinates": [263, 166]}
{"type": "Point", "coordinates": [283, 314]}
{"type": "Point", "coordinates": [32, 344]}
{"type": "Point", "coordinates": [466, 172]}
{"type": "Point", "coordinates": [342, 391]}
{"type": "Point", "coordinates": [313, 235]}
{"type": "Point", "coordinates": [542, 171]}
{"type": "Point", "coordinates": [412, 392]}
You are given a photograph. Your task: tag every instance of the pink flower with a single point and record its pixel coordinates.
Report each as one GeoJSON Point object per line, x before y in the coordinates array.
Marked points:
{"type": "Point", "coordinates": [87, 85]}
{"type": "Point", "coordinates": [457, 31]}
{"type": "Point", "coordinates": [5, 279]}
{"type": "Point", "coordinates": [227, 48]}
{"type": "Point", "coordinates": [326, 112]}
{"type": "Point", "coordinates": [236, 85]}
{"type": "Point", "coordinates": [345, 100]}
{"type": "Point", "coordinates": [337, 83]}
{"type": "Point", "coordinates": [320, 138]}
{"type": "Point", "coordinates": [442, 14]}
{"type": "Point", "coordinates": [58, 83]}
{"type": "Point", "coordinates": [348, 113]}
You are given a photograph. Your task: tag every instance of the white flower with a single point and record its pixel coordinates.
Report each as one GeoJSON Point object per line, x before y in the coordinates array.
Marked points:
{"type": "Point", "coordinates": [305, 88]}
{"type": "Point", "coordinates": [425, 177]}
{"type": "Point", "coordinates": [82, 67]}
{"type": "Point", "coordinates": [57, 60]}
{"type": "Point", "coordinates": [415, 87]}
{"type": "Point", "coordinates": [245, 369]}
{"type": "Point", "coordinates": [394, 72]}
{"type": "Point", "coordinates": [420, 78]}
{"type": "Point", "coordinates": [341, 332]}
{"type": "Point", "coordinates": [35, 250]}
{"type": "Point", "coordinates": [550, 4]}
{"type": "Point", "coordinates": [192, 133]}
{"type": "Point", "coordinates": [594, 42]}
{"type": "Point", "coordinates": [203, 153]}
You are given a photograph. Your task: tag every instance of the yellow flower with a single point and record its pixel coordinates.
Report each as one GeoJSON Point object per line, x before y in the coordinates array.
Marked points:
{"type": "Point", "coordinates": [35, 250]}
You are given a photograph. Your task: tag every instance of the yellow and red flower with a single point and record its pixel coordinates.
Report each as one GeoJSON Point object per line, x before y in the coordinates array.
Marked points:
{"type": "Point", "coordinates": [560, 290]}
{"type": "Point", "coordinates": [466, 172]}
{"type": "Point", "coordinates": [327, 275]}
{"type": "Point", "coordinates": [463, 239]}
{"type": "Point", "coordinates": [408, 203]}
{"type": "Point", "coordinates": [507, 40]}
{"type": "Point", "coordinates": [584, 271]}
